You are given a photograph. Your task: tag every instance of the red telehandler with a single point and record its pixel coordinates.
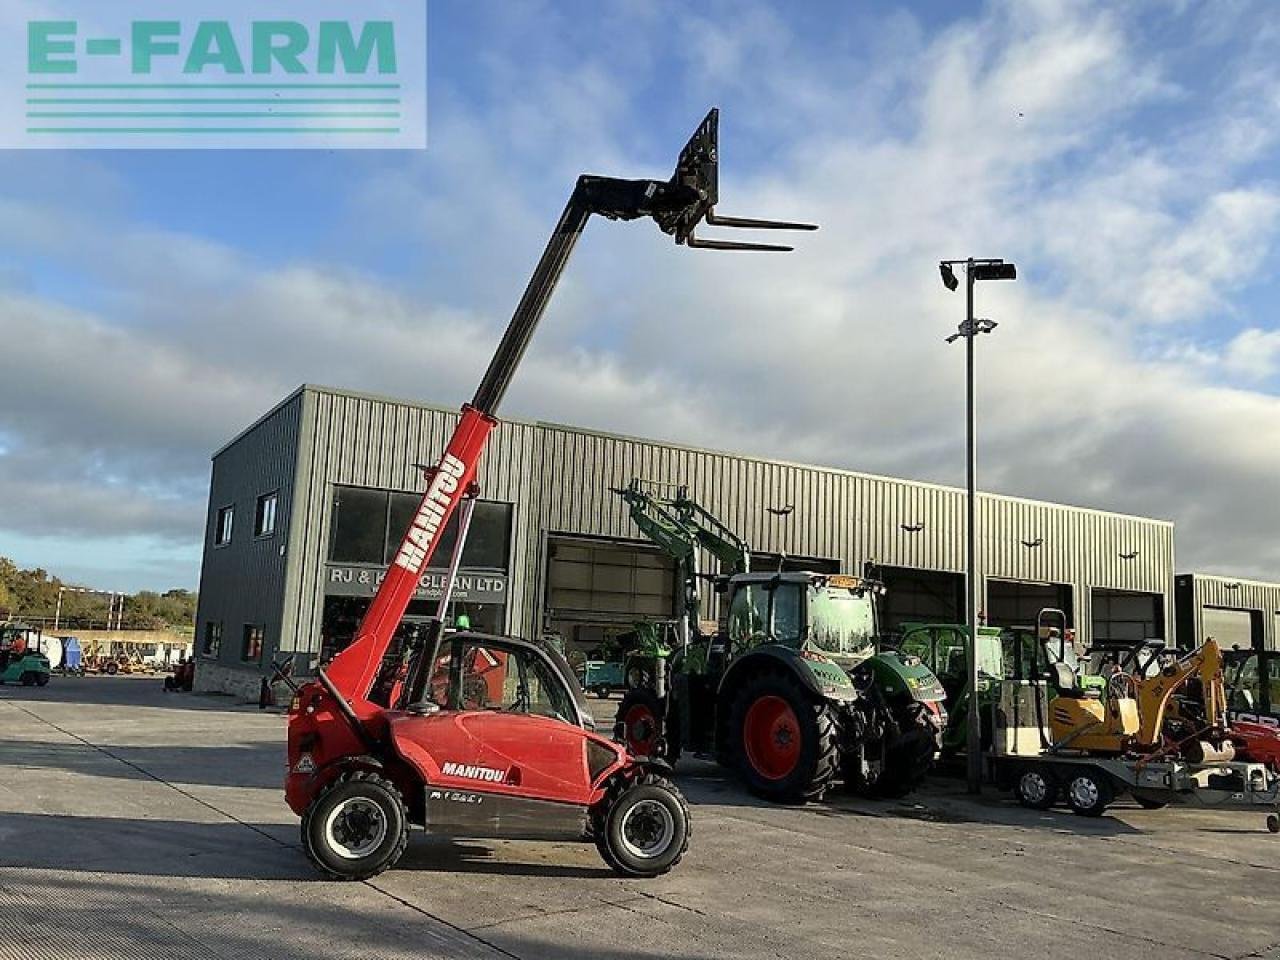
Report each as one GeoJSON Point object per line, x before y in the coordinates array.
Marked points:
{"type": "Point", "coordinates": [468, 734]}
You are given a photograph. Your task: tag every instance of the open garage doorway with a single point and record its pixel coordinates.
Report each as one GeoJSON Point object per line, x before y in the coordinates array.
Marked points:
{"type": "Point", "coordinates": [597, 589]}
{"type": "Point", "coordinates": [928, 596]}
{"type": "Point", "coordinates": [1017, 603]}
{"type": "Point", "coordinates": [1233, 627]}
{"type": "Point", "coordinates": [1121, 616]}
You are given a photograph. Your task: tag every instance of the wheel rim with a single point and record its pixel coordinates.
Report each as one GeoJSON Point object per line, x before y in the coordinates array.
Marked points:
{"type": "Point", "coordinates": [647, 829]}
{"type": "Point", "coordinates": [1034, 788]}
{"type": "Point", "coordinates": [642, 729]}
{"type": "Point", "coordinates": [1085, 793]}
{"type": "Point", "coordinates": [771, 736]}
{"type": "Point", "coordinates": [355, 828]}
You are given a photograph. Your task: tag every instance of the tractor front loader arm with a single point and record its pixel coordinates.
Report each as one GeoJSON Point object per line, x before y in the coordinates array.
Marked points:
{"type": "Point", "coordinates": [678, 206]}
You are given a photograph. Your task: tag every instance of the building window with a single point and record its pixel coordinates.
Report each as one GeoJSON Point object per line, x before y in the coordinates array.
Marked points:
{"type": "Point", "coordinates": [367, 526]}
{"type": "Point", "coordinates": [264, 517]}
{"type": "Point", "coordinates": [211, 643]}
{"type": "Point", "coordinates": [222, 529]}
{"type": "Point", "coordinates": [251, 646]}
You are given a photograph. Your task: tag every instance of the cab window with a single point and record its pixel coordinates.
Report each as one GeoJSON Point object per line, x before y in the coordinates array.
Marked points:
{"type": "Point", "coordinates": [919, 643]}
{"type": "Point", "coordinates": [486, 676]}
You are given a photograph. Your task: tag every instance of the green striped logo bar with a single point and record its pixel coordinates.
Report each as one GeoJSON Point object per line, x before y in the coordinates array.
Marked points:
{"type": "Point", "coordinates": [292, 74]}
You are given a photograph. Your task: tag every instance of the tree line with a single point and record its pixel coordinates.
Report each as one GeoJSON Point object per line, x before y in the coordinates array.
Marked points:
{"type": "Point", "coordinates": [32, 595]}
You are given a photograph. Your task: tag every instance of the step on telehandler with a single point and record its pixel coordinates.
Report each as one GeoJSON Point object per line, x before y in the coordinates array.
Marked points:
{"type": "Point", "coordinates": [791, 692]}
{"type": "Point", "coordinates": [475, 735]}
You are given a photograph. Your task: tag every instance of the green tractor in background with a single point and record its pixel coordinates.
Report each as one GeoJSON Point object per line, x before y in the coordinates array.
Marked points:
{"type": "Point", "coordinates": [790, 691]}
{"type": "Point", "coordinates": [1025, 653]}
{"type": "Point", "coordinates": [22, 658]}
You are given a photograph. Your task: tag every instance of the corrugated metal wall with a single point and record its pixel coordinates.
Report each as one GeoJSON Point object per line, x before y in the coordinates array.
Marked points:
{"type": "Point", "coordinates": [1197, 591]}
{"type": "Point", "coordinates": [558, 478]}
{"type": "Point", "coordinates": [243, 582]}
{"type": "Point", "coordinates": [856, 519]}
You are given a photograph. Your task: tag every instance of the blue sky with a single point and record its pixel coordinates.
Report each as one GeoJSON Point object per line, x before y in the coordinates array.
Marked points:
{"type": "Point", "coordinates": [153, 303]}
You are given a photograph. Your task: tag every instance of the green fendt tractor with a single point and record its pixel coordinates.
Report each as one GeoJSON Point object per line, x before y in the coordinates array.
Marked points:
{"type": "Point", "coordinates": [790, 691]}
{"type": "Point", "coordinates": [22, 659]}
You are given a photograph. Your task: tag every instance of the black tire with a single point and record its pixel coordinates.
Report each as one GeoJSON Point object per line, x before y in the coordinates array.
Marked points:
{"type": "Point", "coordinates": [1037, 788]}
{"type": "Point", "coordinates": [1089, 791]}
{"type": "Point", "coordinates": [28, 679]}
{"type": "Point", "coordinates": [42, 679]}
{"type": "Point", "coordinates": [909, 758]}
{"type": "Point", "coordinates": [641, 725]}
{"type": "Point", "coordinates": [112, 668]}
{"type": "Point", "coordinates": [602, 693]}
{"type": "Point", "coordinates": [381, 827]}
{"type": "Point", "coordinates": [639, 677]}
{"type": "Point", "coordinates": [1150, 803]}
{"type": "Point", "coordinates": [642, 827]}
{"type": "Point", "coordinates": [818, 757]}
{"type": "Point", "coordinates": [1273, 823]}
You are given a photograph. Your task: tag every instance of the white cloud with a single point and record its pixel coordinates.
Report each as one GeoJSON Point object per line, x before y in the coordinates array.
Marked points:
{"type": "Point", "coordinates": [833, 354]}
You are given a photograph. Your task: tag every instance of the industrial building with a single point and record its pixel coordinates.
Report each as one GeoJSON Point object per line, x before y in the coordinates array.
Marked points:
{"type": "Point", "coordinates": [1234, 612]}
{"type": "Point", "coordinates": [307, 504]}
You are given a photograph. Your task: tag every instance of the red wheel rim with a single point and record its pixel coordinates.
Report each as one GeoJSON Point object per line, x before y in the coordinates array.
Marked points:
{"type": "Point", "coordinates": [771, 736]}
{"type": "Point", "coordinates": [641, 728]}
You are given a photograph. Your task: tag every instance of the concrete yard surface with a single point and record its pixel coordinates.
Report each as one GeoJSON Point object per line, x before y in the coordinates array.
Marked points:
{"type": "Point", "coordinates": [139, 824]}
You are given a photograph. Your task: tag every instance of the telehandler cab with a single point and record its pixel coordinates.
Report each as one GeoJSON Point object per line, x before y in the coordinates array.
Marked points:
{"type": "Point", "coordinates": [488, 736]}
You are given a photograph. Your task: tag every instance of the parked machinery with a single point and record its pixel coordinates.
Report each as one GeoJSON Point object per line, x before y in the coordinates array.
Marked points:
{"type": "Point", "coordinates": [22, 655]}
{"type": "Point", "coordinates": [470, 734]}
{"type": "Point", "coordinates": [1162, 738]}
{"type": "Point", "coordinates": [791, 692]}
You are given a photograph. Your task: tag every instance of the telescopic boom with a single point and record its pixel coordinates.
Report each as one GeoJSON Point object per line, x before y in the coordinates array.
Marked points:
{"type": "Point", "coordinates": [678, 206]}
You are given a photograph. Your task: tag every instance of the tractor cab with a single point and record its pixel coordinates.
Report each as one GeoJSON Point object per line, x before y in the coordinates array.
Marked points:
{"type": "Point", "coordinates": [832, 616]}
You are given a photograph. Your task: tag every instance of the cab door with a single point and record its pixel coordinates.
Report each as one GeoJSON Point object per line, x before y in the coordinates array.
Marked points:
{"type": "Point", "coordinates": [503, 754]}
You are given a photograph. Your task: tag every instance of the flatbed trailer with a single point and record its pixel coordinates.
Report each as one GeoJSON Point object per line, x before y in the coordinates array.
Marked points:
{"type": "Point", "coordinates": [1089, 784]}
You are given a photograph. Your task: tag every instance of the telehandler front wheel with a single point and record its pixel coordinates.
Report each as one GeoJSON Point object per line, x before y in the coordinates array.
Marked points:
{"type": "Point", "coordinates": [642, 827]}
{"type": "Point", "coordinates": [356, 828]}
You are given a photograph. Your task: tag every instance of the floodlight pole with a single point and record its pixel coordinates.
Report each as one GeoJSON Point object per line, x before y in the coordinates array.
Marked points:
{"type": "Point", "coordinates": [974, 737]}
{"type": "Point", "coordinates": [974, 270]}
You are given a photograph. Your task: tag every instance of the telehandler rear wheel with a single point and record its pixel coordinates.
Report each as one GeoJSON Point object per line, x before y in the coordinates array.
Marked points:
{"type": "Point", "coordinates": [357, 828]}
{"type": "Point", "coordinates": [1089, 792]}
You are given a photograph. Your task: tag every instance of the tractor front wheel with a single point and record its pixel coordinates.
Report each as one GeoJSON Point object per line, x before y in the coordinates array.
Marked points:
{"type": "Point", "coordinates": [357, 828]}
{"type": "Point", "coordinates": [641, 725]}
{"type": "Point", "coordinates": [784, 740]}
{"type": "Point", "coordinates": [642, 827]}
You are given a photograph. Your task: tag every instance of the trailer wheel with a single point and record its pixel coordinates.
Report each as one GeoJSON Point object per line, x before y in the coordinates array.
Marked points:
{"type": "Point", "coordinates": [642, 827]}
{"type": "Point", "coordinates": [1037, 789]}
{"type": "Point", "coordinates": [1089, 792]}
{"type": "Point", "coordinates": [357, 828]}
{"type": "Point", "coordinates": [1273, 822]}
{"type": "Point", "coordinates": [783, 740]}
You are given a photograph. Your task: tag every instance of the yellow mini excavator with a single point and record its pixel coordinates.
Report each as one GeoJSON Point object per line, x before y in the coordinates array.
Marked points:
{"type": "Point", "coordinates": [1132, 717]}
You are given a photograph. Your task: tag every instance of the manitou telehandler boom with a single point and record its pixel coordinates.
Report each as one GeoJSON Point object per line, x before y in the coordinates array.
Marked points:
{"type": "Point", "coordinates": [792, 693]}
{"type": "Point", "coordinates": [476, 735]}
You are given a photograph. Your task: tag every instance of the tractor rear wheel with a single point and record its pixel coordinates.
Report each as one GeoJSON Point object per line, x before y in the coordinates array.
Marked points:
{"type": "Point", "coordinates": [783, 739]}
{"type": "Point", "coordinates": [356, 828]}
{"type": "Point", "coordinates": [641, 724]}
{"type": "Point", "coordinates": [642, 827]}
